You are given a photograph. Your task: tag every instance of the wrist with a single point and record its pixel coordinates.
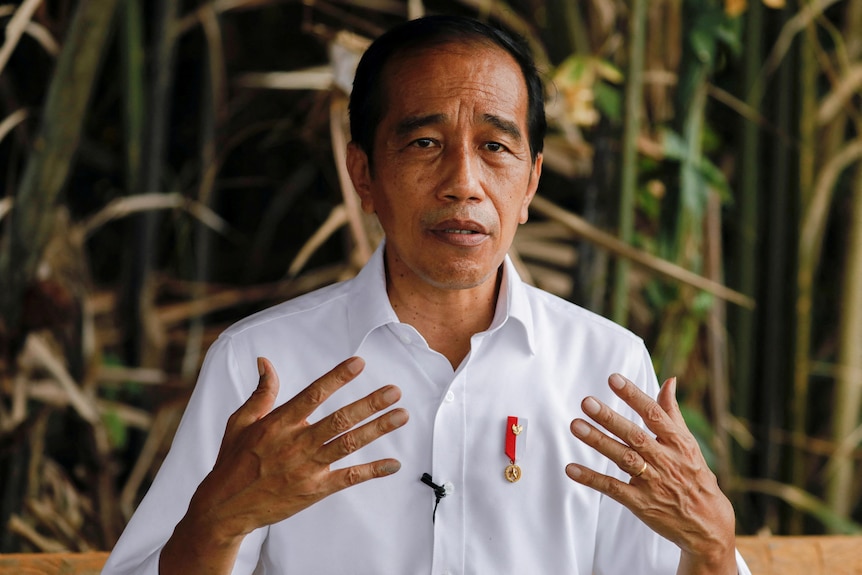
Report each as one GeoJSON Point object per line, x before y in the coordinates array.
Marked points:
{"type": "Point", "coordinates": [201, 543]}
{"type": "Point", "coordinates": [719, 560]}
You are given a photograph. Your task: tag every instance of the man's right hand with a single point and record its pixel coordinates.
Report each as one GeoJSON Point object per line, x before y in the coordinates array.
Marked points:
{"type": "Point", "coordinates": [273, 464]}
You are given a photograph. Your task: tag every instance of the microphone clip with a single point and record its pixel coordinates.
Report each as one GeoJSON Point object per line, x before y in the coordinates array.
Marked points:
{"type": "Point", "coordinates": [439, 493]}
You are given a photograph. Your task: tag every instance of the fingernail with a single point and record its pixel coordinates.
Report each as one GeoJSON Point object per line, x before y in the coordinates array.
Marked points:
{"type": "Point", "coordinates": [673, 386]}
{"type": "Point", "coordinates": [261, 366]}
{"type": "Point", "coordinates": [591, 406]}
{"type": "Point", "coordinates": [580, 428]}
{"type": "Point", "coordinates": [617, 381]}
{"type": "Point", "coordinates": [390, 467]}
{"type": "Point", "coordinates": [355, 365]}
{"type": "Point", "coordinates": [573, 471]}
{"type": "Point", "coordinates": [398, 417]}
{"type": "Point", "coordinates": [391, 395]}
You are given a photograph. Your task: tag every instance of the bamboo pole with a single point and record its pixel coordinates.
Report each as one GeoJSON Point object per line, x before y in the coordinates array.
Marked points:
{"type": "Point", "coordinates": [743, 266]}
{"type": "Point", "coordinates": [142, 344]}
{"type": "Point", "coordinates": [807, 80]}
{"type": "Point", "coordinates": [583, 229]}
{"type": "Point", "coordinates": [848, 392]}
{"type": "Point", "coordinates": [633, 97]}
{"type": "Point", "coordinates": [848, 389]}
{"type": "Point", "coordinates": [29, 225]}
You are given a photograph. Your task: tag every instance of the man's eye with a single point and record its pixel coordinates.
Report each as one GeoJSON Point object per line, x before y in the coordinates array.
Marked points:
{"type": "Point", "coordinates": [494, 147]}
{"type": "Point", "coordinates": [423, 143]}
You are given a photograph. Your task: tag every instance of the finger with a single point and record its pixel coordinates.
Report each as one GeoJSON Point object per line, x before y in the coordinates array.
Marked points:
{"type": "Point", "coordinates": [261, 400]}
{"type": "Point", "coordinates": [653, 414]}
{"type": "Point", "coordinates": [343, 478]}
{"type": "Point", "coordinates": [667, 400]}
{"type": "Point", "coordinates": [614, 488]}
{"type": "Point", "coordinates": [626, 458]}
{"type": "Point", "coordinates": [306, 401]}
{"type": "Point", "coordinates": [633, 435]}
{"type": "Point", "coordinates": [358, 438]}
{"type": "Point", "coordinates": [348, 416]}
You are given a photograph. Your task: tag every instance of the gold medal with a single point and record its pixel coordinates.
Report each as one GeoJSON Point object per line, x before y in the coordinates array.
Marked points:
{"type": "Point", "coordinates": [514, 429]}
{"type": "Point", "coordinates": [513, 473]}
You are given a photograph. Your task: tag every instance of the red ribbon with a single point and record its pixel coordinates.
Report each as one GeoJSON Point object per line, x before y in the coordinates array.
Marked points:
{"type": "Point", "coordinates": [511, 438]}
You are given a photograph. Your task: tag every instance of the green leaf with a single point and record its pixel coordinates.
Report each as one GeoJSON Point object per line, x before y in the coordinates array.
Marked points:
{"type": "Point", "coordinates": [609, 101]}
{"type": "Point", "coordinates": [117, 433]}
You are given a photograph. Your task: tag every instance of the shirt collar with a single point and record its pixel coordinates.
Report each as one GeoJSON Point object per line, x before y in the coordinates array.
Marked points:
{"type": "Point", "coordinates": [513, 303]}
{"type": "Point", "coordinates": [370, 307]}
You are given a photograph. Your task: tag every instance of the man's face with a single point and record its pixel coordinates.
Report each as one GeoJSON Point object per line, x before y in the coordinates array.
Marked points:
{"type": "Point", "coordinates": [453, 176]}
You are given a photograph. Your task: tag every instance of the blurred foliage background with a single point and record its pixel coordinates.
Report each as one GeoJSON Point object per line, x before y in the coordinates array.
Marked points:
{"type": "Point", "coordinates": [169, 166]}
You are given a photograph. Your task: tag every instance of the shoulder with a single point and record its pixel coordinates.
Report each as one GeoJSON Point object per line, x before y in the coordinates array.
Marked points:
{"type": "Point", "coordinates": [322, 303]}
{"type": "Point", "coordinates": [555, 314]}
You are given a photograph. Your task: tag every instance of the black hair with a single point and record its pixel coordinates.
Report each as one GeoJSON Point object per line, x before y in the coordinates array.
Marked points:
{"type": "Point", "coordinates": [366, 100]}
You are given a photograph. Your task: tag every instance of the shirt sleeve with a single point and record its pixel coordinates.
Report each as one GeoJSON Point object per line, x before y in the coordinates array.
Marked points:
{"type": "Point", "coordinates": [223, 385]}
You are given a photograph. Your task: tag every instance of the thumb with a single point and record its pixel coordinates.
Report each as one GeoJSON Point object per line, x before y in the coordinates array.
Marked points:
{"type": "Point", "coordinates": [260, 403]}
{"type": "Point", "coordinates": [667, 400]}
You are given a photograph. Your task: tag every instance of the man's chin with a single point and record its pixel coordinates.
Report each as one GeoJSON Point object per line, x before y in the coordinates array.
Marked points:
{"type": "Point", "coordinates": [460, 278]}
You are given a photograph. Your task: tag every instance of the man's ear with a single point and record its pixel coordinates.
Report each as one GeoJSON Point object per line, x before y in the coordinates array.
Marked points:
{"type": "Point", "coordinates": [532, 186]}
{"type": "Point", "coordinates": [360, 174]}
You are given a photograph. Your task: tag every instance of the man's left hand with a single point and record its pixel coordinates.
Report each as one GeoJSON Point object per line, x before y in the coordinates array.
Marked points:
{"type": "Point", "coordinates": [672, 489]}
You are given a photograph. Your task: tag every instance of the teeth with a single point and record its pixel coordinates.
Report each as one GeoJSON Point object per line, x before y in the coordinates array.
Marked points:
{"type": "Point", "coordinates": [459, 231]}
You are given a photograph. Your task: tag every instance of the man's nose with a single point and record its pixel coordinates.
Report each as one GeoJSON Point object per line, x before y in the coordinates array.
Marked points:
{"type": "Point", "coordinates": [461, 179]}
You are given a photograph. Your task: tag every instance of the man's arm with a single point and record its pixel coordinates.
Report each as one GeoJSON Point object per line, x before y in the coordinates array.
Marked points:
{"type": "Point", "coordinates": [672, 489]}
{"type": "Point", "coordinates": [273, 464]}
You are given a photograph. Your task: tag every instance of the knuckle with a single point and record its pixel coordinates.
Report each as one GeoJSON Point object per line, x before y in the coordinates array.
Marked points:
{"type": "Point", "coordinates": [315, 395]}
{"type": "Point", "coordinates": [341, 376]}
{"type": "Point", "coordinates": [383, 425]}
{"type": "Point", "coordinates": [630, 458]}
{"type": "Point", "coordinates": [614, 489]}
{"type": "Point", "coordinates": [348, 443]}
{"type": "Point", "coordinates": [375, 403]}
{"type": "Point", "coordinates": [654, 413]}
{"type": "Point", "coordinates": [639, 438]}
{"type": "Point", "coordinates": [352, 476]}
{"type": "Point", "coordinates": [339, 422]}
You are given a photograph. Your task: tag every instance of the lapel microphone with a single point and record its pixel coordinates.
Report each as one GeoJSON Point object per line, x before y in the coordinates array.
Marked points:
{"type": "Point", "coordinates": [439, 493]}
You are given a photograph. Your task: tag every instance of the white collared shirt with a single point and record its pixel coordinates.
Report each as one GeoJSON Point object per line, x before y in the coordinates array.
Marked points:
{"type": "Point", "coordinates": [538, 360]}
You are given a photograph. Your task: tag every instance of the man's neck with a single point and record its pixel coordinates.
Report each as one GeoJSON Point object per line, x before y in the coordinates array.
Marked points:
{"type": "Point", "coordinates": [447, 319]}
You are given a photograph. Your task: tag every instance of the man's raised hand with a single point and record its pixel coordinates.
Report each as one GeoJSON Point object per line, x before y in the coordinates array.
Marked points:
{"type": "Point", "coordinates": [671, 488]}
{"type": "Point", "coordinates": [273, 464]}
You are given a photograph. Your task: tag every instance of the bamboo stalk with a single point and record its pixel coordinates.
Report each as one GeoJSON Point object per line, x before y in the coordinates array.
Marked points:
{"type": "Point", "coordinates": [633, 99]}
{"type": "Point", "coordinates": [9, 122]}
{"type": "Point", "coordinates": [15, 29]}
{"type": "Point", "coordinates": [143, 343]}
{"type": "Point", "coordinates": [807, 80]}
{"type": "Point", "coordinates": [583, 229]}
{"type": "Point", "coordinates": [717, 341]}
{"type": "Point", "coordinates": [743, 269]}
{"type": "Point", "coordinates": [45, 174]}
{"type": "Point", "coordinates": [848, 392]}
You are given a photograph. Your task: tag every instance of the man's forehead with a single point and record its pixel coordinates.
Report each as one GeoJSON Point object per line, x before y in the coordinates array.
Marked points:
{"type": "Point", "coordinates": [469, 49]}
{"type": "Point", "coordinates": [417, 81]}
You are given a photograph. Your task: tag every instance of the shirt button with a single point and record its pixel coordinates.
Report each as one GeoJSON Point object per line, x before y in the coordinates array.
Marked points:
{"type": "Point", "coordinates": [405, 339]}
{"type": "Point", "coordinates": [448, 488]}
{"type": "Point", "coordinates": [450, 397]}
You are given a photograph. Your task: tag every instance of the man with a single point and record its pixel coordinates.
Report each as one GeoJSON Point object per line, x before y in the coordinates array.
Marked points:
{"type": "Point", "coordinates": [476, 470]}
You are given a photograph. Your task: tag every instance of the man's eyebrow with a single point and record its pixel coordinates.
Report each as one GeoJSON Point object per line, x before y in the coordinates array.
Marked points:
{"type": "Point", "coordinates": [411, 123]}
{"type": "Point", "coordinates": [506, 126]}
